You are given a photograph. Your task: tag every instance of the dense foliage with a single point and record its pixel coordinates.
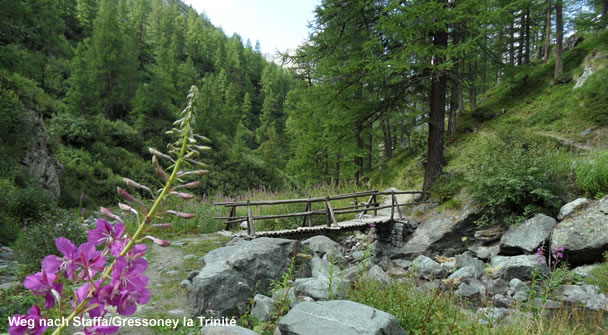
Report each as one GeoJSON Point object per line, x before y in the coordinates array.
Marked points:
{"type": "Point", "coordinates": [107, 77]}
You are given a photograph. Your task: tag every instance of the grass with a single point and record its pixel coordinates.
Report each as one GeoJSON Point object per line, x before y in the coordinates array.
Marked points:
{"type": "Point", "coordinates": [599, 275]}
{"type": "Point", "coordinates": [434, 311]}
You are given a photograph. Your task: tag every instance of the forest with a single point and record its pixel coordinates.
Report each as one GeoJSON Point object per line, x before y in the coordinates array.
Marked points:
{"type": "Point", "coordinates": [497, 105]}
{"type": "Point", "coordinates": [374, 80]}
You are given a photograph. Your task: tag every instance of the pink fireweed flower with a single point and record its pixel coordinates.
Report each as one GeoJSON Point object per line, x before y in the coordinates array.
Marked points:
{"type": "Point", "coordinates": [558, 253]}
{"type": "Point", "coordinates": [21, 327]}
{"type": "Point", "coordinates": [111, 236]}
{"type": "Point", "coordinates": [43, 284]}
{"type": "Point", "coordinates": [540, 257]}
{"type": "Point", "coordinates": [67, 263]}
{"type": "Point", "coordinates": [97, 330]}
{"type": "Point", "coordinates": [91, 260]}
{"type": "Point", "coordinates": [128, 285]}
{"type": "Point", "coordinates": [83, 292]}
{"type": "Point", "coordinates": [138, 251]}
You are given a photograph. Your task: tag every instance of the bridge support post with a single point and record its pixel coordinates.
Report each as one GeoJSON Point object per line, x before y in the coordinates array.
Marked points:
{"type": "Point", "coordinates": [231, 222]}
{"type": "Point", "coordinates": [331, 217]}
{"type": "Point", "coordinates": [250, 225]}
{"type": "Point", "coordinates": [396, 203]}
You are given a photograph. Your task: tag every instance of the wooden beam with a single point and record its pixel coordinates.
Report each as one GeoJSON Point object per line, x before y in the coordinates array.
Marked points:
{"type": "Point", "coordinates": [317, 212]}
{"type": "Point", "coordinates": [295, 201]}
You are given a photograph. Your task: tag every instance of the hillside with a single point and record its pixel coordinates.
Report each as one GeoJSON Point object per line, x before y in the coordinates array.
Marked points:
{"type": "Point", "coordinates": [531, 107]}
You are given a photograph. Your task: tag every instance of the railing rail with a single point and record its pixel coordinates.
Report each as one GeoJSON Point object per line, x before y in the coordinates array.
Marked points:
{"type": "Point", "coordinates": [371, 204]}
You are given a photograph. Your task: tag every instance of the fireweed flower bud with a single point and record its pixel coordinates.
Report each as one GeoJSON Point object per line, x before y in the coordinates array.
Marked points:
{"type": "Point", "coordinates": [127, 208]}
{"type": "Point", "coordinates": [125, 195]}
{"type": "Point", "coordinates": [162, 174]}
{"type": "Point", "coordinates": [182, 214]}
{"type": "Point", "coordinates": [162, 243]}
{"type": "Point", "coordinates": [106, 212]}
{"type": "Point", "coordinates": [183, 195]}
{"type": "Point", "coordinates": [193, 184]}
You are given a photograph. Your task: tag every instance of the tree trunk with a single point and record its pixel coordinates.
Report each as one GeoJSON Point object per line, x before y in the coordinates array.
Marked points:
{"type": "Point", "coordinates": [453, 109]}
{"type": "Point", "coordinates": [473, 87]}
{"type": "Point", "coordinates": [548, 32]}
{"type": "Point", "coordinates": [370, 146]}
{"type": "Point", "coordinates": [527, 45]}
{"type": "Point", "coordinates": [512, 44]}
{"type": "Point", "coordinates": [559, 36]}
{"type": "Point", "coordinates": [434, 162]}
{"type": "Point", "coordinates": [386, 130]}
{"type": "Point", "coordinates": [522, 38]}
{"type": "Point", "coordinates": [337, 171]}
{"type": "Point", "coordinates": [358, 158]}
{"type": "Point", "coordinates": [603, 13]}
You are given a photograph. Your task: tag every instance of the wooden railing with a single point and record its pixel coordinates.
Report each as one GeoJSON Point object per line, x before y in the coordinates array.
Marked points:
{"type": "Point", "coordinates": [371, 204]}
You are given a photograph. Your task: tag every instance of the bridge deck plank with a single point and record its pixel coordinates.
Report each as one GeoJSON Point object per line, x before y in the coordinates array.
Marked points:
{"type": "Point", "coordinates": [350, 224]}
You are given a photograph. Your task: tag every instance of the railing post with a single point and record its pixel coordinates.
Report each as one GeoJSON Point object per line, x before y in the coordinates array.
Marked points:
{"type": "Point", "coordinates": [230, 223]}
{"type": "Point", "coordinates": [392, 203]}
{"type": "Point", "coordinates": [375, 201]}
{"type": "Point", "coordinates": [331, 217]}
{"type": "Point", "coordinates": [369, 202]}
{"type": "Point", "coordinates": [250, 225]}
{"type": "Point", "coordinates": [395, 202]}
{"type": "Point", "coordinates": [309, 209]}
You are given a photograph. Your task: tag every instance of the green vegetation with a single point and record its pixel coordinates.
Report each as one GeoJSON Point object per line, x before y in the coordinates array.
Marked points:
{"type": "Point", "coordinates": [599, 275]}
{"type": "Point", "coordinates": [42, 235]}
{"type": "Point", "coordinates": [592, 175]}
{"type": "Point", "coordinates": [514, 177]}
{"type": "Point", "coordinates": [437, 312]}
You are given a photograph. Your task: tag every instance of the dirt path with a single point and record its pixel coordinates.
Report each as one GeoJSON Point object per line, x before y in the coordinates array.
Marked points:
{"type": "Point", "coordinates": [167, 267]}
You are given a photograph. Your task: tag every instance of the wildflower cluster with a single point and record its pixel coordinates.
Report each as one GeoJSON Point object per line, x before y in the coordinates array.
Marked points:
{"type": "Point", "coordinates": [108, 269]}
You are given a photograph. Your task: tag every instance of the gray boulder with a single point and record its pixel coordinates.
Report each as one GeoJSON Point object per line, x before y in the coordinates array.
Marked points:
{"type": "Point", "coordinates": [376, 273]}
{"type": "Point", "coordinates": [522, 267]}
{"type": "Point", "coordinates": [440, 234]}
{"type": "Point", "coordinates": [324, 246]}
{"type": "Point", "coordinates": [496, 286]}
{"type": "Point", "coordinates": [517, 285]}
{"type": "Point", "coordinates": [545, 304]}
{"type": "Point", "coordinates": [571, 207]}
{"type": "Point", "coordinates": [427, 268]}
{"type": "Point", "coordinates": [320, 267]}
{"type": "Point", "coordinates": [396, 272]}
{"type": "Point", "coordinates": [317, 289]}
{"type": "Point", "coordinates": [584, 270]}
{"type": "Point", "coordinates": [338, 317]}
{"type": "Point", "coordinates": [226, 330]}
{"type": "Point", "coordinates": [526, 237]}
{"type": "Point", "coordinates": [467, 290]}
{"type": "Point", "coordinates": [233, 273]}
{"type": "Point", "coordinates": [466, 259]}
{"type": "Point", "coordinates": [572, 41]}
{"type": "Point", "coordinates": [584, 236]}
{"type": "Point", "coordinates": [262, 307]}
{"type": "Point", "coordinates": [39, 160]}
{"type": "Point", "coordinates": [485, 252]}
{"type": "Point", "coordinates": [587, 295]}
{"type": "Point", "coordinates": [466, 272]}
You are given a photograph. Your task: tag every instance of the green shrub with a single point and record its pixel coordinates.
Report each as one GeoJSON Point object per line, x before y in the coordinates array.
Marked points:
{"type": "Point", "coordinates": [15, 301]}
{"type": "Point", "coordinates": [447, 186]}
{"type": "Point", "coordinates": [71, 129]}
{"type": "Point", "coordinates": [592, 175]}
{"type": "Point", "coordinates": [513, 177]}
{"type": "Point", "coordinates": [599, 275]}
{"type": "Point", "coordinates": [21, 201]}
{"type": "Point", "coordinates": [83, 174]}
{"type": "Point", "coordinates": [38, 238]}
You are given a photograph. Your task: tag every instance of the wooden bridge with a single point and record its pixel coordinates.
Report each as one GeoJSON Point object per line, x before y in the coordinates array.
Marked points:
{"type": "Point", "coordinates": [371, 205]}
